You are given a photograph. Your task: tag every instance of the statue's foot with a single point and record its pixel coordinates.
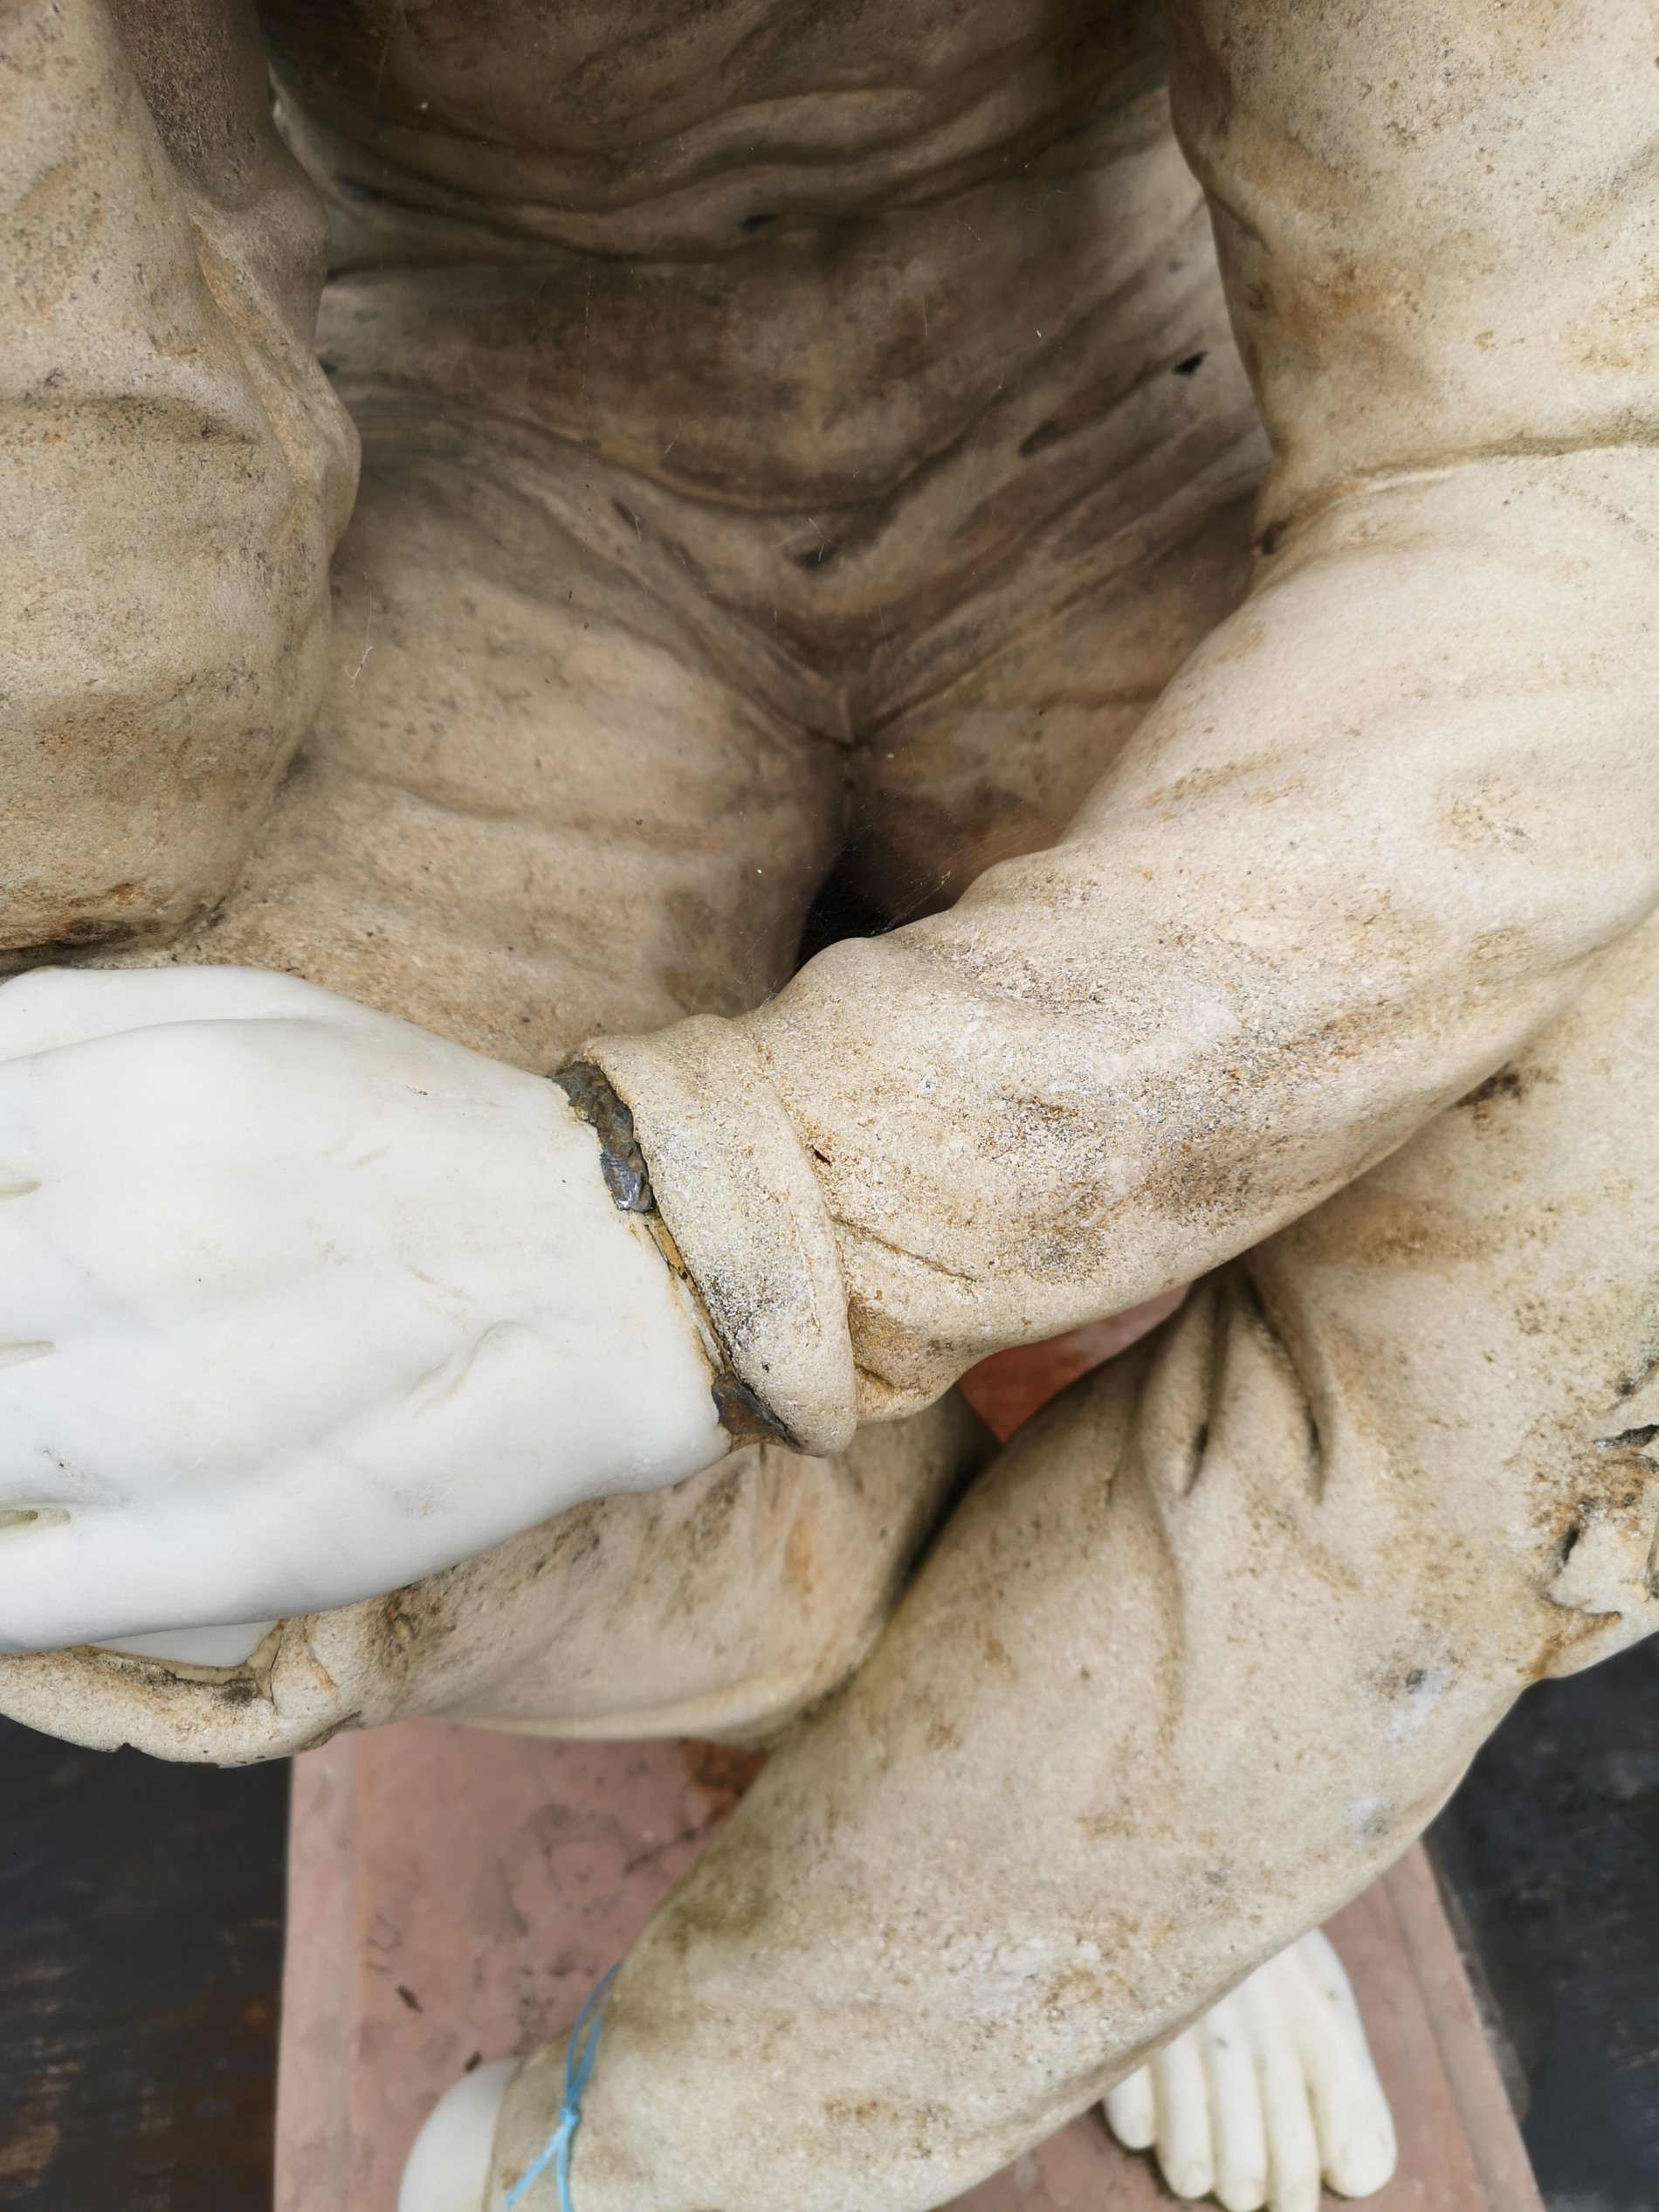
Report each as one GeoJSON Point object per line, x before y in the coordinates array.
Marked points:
{"type": "Point", "coordinates": [1272, 2089]}
{"type": "Point", "coordinates": [448, 2168]}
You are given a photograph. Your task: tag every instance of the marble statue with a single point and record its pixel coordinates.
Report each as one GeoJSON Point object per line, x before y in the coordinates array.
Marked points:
{"type": "Point", "coordinates": [1160, 504]}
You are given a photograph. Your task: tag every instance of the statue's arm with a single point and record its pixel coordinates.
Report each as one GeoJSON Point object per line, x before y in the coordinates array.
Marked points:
{"type": "Point", "coordinates": [1371, 836]}
{"type": "Point", "coordinates": [173, 468]}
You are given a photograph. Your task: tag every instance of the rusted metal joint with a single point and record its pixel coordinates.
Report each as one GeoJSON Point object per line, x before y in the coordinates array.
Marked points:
{"type": "Point", "coordinates": [621, 1161]}
{"type": "Point", "coordinates": [628, 1179]}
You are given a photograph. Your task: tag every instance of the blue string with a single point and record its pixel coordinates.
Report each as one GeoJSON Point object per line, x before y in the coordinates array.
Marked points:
{"type": "Point", "coordinates": [578, 2064]}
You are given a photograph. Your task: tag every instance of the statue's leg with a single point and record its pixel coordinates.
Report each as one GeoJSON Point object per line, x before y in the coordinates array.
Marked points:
{"type": "Point", "coordinates": [552, 788]}
{"type": "Point", "coordinates": [1194, 1661]}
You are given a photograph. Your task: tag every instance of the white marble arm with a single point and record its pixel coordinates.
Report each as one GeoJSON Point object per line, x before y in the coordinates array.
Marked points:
{"type": "Point", "coordinates": [299, 1303]}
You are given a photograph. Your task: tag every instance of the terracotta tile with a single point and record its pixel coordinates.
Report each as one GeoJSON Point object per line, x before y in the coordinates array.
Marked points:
{"type": "Point", "coordinates": [454, 1893]}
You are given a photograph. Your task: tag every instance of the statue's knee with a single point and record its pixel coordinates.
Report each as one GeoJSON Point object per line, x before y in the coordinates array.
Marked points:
{"type": "Point", "coordinates": [1299, 1413]}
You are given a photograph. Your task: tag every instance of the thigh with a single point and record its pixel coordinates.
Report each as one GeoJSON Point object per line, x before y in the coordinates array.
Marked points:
{"type": "Point", "coordinates": [724, 1608]}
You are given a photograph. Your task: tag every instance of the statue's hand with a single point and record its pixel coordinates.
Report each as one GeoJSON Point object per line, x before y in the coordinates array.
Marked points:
{"type": "Point", "coordinates": [1273, 2087]}
{"type": "Point", "coordinates": [297, 1303]}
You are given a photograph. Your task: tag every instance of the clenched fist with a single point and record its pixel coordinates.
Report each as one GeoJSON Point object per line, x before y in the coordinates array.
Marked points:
{"type": "Point", "coordinates": [297, 1303]}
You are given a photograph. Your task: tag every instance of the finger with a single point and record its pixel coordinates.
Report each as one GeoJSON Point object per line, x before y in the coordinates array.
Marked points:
{"type": "Point", "coordinates": [1351, 2114]}
{"type": "Point", "coordinates": [1292, 2146]}
{"type": "Point", "coordinates": [48, 1286]}
{"type": "Point", "coordinates": [49, 1007]}
{"type": "Point", "coordinates": [120, 1512]}
{"type": "Point", "coordinates": [161, 1162]}
{"type": "Point", "coordinates": [133, 1247]}
{"type": "Point", "coordinates": [1239, 2132]}
{"type": "Point", "coordinates": [82, 1571]}
{"type": "Point", "coordinates": [1318, 1967]}
{"type": "Point", "coordinates": [73, 1574]}
{"type": "Point", "coordinates": [1181, 2097]}
{"type": "Point", "coordinates": [1130, 2110]}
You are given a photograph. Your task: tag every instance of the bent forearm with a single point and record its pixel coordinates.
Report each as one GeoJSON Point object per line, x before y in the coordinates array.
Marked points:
{"type": "Point", "coordinates": [1366, 841]}
{"type": "Point", "coordinates": [1359, 852]}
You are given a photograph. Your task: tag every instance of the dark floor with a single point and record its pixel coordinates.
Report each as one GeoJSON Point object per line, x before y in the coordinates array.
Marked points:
{"type": "Point", "coordinates": [141, 1951]}
{"type": "Point", "coordinates": [140, 1958]}
{"type": "Point", "coordinates": [1551, 1851]}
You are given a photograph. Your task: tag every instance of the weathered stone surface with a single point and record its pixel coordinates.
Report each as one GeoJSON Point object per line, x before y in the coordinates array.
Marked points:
{"type": "Point", "coordinates": [796, 437]}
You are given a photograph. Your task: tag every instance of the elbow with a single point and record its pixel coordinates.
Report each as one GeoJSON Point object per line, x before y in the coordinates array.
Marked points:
{"type": "Point", "coordinates": [126, 810]}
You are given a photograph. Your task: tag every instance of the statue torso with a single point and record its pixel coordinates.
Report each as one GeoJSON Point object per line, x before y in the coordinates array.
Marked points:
{"type": "Point", "coordinates": [773, 247]}
{"type": "Point", "coordinates": [682, 125]}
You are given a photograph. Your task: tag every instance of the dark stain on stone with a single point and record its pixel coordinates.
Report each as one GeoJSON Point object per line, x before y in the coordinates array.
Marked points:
{"type": "Point", "coordinates": [1508, 1084]}
{"type": "Point", "coordinates": [1041, 438]}
{"type": "Point", "coordinates": [742, 1414]}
